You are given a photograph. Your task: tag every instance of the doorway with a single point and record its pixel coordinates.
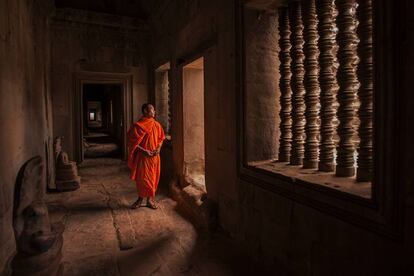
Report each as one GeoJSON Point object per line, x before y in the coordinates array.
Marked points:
{"type": "Point", "coordinates": [102, 120]}
{"type": "Point", "coordinates": [118, 88]}
{"type": "Point", "coordinates": [193, 120]}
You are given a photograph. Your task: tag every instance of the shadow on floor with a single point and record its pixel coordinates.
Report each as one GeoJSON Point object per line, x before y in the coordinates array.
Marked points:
{"type": "Point", "coordinates": [99, 223]}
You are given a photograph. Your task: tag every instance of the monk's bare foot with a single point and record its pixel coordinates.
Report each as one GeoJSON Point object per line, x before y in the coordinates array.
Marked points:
{"type": "Point", "coordinates": [137, 203]}
{"type": "Point", "coordinates": [151, 204]}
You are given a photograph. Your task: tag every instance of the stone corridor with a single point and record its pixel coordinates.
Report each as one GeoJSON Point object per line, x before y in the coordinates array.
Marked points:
{"type": "Point", "coordinates": [104, 237]}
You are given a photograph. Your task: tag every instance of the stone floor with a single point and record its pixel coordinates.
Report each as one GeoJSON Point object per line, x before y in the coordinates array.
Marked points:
{"type": "Point", "coordinates": [104, 237]}
{"type": "Point", "coordinates": [94, 150]}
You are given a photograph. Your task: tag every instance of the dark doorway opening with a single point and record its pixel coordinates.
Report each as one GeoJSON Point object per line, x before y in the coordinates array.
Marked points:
{"type": "Point", "coordinates": [102, 120]}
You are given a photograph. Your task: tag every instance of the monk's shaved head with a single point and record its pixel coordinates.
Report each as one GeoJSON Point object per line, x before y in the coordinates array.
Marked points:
{"type": "Point", "coordinates": [148, 110]}
{"type": "Point", "coordinates": [144, 107]}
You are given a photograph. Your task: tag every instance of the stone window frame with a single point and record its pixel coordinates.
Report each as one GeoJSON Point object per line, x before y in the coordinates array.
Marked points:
{"type": "Point", "coordinates": [380, 213]}
{"type": "Point", "coordinates": [164, 67]}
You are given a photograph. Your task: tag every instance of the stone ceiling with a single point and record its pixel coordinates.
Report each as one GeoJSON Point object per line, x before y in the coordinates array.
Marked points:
{"type": "Point", "coordinates": [264, 4]}
{"type": "Point", "coordinates": [141, 9]}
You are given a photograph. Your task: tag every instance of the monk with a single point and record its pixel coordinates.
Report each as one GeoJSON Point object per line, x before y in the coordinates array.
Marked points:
{"type": "Point", "coordinates": [145, 139]}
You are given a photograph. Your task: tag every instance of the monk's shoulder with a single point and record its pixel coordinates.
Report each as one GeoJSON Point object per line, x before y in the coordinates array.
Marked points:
{"type": "Point", "coordinates": [135, 125]}
{"type": "Point", "coordinates": [157, 124]}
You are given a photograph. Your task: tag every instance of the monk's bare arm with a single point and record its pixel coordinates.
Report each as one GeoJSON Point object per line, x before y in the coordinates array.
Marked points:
{"type": "Point", "coordinates": [135, 137]}
{"type": "Point", "coordinates": [161, 141]}
{"type": "Point", "coordinates": [148, 152]}
{"type": "Point", "coordinates": [157, 150]}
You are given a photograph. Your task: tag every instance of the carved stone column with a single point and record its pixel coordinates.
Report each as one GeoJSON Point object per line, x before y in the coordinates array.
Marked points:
{"type": "Point", "coordinates": [327, 84]}
{"type": "Point", "coordinates": [284, 84]}
{"type": "Point", "coordinates": [311, 84]}
{"type": "Point", "coordinates": [169, 104]}
{"type": "Point", "coordinates": [348, 85]}
{"type": "Point", "coordinates": [298, 89]}
{"type": "Point", "coordinates": [365, 91]}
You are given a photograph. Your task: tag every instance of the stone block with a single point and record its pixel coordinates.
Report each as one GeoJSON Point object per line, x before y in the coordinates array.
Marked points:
{"type": "Point", "coordinates": [280, 209]}
{"type": "Point", "coordinates": [327, 260]}
{"type": "Point", "coordinates": [304, 222]}
{"type": "Point", "coordinates": [260, 197]}
{"type": "Point", "coordinates": [299, 255]}
{"type": "Point", "coordinates": [228, 214]}
{"type": "Point", "coordinates": [253, 231]}
{"type": "Point", "coordinates": [274, 245]}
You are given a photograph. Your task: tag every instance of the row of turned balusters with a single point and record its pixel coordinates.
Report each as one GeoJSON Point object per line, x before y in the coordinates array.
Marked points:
{"type": "Point", "coordinates": [314, 35]}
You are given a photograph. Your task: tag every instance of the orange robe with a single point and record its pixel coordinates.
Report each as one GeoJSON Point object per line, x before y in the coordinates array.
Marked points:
{"type": "Point", "coordinates": [145, 170]}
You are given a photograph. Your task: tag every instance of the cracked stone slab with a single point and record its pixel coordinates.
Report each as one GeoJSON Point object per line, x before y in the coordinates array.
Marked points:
{"type": "Point", "coordinates": [122, 223]}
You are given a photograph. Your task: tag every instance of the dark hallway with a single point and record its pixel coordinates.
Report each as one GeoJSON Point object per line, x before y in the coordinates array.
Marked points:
{"type": "Point", "coordinates": [102, 121]}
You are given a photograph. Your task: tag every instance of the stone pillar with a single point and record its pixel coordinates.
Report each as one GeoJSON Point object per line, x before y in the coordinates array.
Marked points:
{"type": "Point", "coordinates": [365, 92]}
{"type": "Point", "coordinates": [348, 85]}
{"type": "Point", "coordinates": [327, 84]}
{"type": "Point", "coordinates": [311, 84]}
{"type": "Point", "coordinates": [298, 89]}
{"type": "Point", "coordinates": [284, 84]}
{"type": "Point", "coordinates": [169, 116]}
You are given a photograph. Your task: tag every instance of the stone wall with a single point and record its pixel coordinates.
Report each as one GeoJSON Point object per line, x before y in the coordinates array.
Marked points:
{"type": "Point", "coordinates": [185, 31]}
{"type": "Point", "coordinates": [96, 43]}
{"type": "Point", "coordinates": [25, 102]}
{"type": "Point", "coordinates": [161, 98]}
{"type": "Point", "coordinates": [193, 108]}
{"type": "Point", "coordinates": [262, 79]}
{"type": "Point", "coordinates": [289, 236]}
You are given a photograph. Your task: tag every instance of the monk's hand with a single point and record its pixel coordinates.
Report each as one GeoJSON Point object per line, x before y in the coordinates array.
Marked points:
{"type": "Point", "coordinates": [149, 153]}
